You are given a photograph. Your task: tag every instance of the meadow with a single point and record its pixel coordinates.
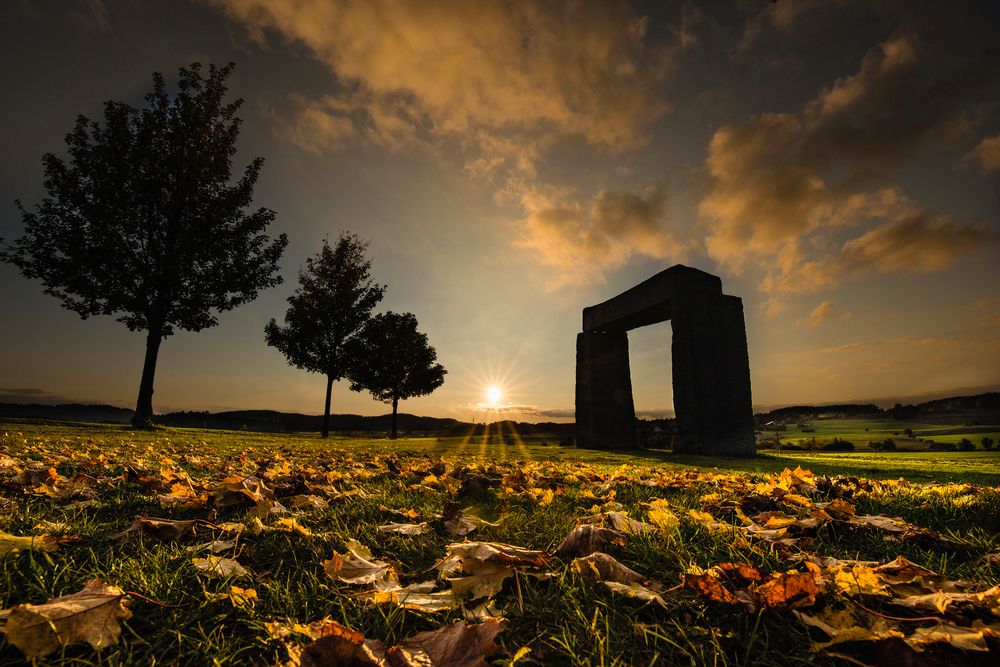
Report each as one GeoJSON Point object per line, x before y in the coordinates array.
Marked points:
{"type": "Point", "coordinates": [221, 547]}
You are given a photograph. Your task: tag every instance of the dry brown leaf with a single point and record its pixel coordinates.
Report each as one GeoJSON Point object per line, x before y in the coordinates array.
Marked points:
{"type": "Point", "coordinates": [215, 546]}
{"type": "Point", "coordinates": [586, 539]}
{"type": "Point", "coordinates": [599, 566]}
{"type": "Point", "coordinates": [636, 591]}
{"type": "Point", "coordinates": [421, 597]}
{"type": "Point", "coordinates": [740, 575]}
{"type": "Point", "coordinates": [963, 639]}
{"type": "Point", "coordinates": [455, 645]}
{"type": "Point", "coordinates": [236, 491]}
{"type": "Point", "coordinates": [789, 591]}
{"type": "Point", "coordinates": [485, 566]}
{"type": "Point", "coordinates": [308, 502]}
{"type": "Point", "coordinates": [461, 522]}
{"type": "Point", "coordinates": [165, 530]}
{"type": "Point", "coordinates": [358, 567]}
{"type": "Point", "coordinates": [220, 567]}
{"type": "Point", "coordinates": [708, 586]}
{"type": "Point", "coordinates": [617, 521]}
{"type": "Point", "coordinates": [339, 645]}
{"type": "Point", "coordinates": [474, 557]}
{"type": "Point", "coordinates": [421, 528]}
{"type": "Point", "coordinates": [92, 616]}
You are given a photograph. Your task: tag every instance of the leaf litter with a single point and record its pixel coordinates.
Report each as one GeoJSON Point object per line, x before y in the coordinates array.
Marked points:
{"type": "Point", "coordinates": [857, 610]}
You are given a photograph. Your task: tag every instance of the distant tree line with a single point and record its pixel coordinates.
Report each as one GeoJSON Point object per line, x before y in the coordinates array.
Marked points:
{"type": "Point", "coordinates": [985, 401]}
{"type": "Point", "coordinates": [144, 222]}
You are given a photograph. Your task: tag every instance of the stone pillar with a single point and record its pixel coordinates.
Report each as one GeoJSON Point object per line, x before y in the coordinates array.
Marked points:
{"type": "Point", "coordinates": [605, 414]}
{"type": "Point", "coordinates": [711, 371]}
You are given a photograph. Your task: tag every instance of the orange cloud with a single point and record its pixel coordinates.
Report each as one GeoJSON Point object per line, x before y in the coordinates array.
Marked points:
{"type": "Point", "coordinates": [578, 68]}
{"type": "Point", "coordinates": [820, 314]}
{"type": "Point", "coordinates": [987, 153]}
{"type": "Point", "coordinates": [581, 242]}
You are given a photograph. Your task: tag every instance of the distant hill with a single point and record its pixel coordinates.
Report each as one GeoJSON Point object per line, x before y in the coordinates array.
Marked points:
{"type": "Point", "coordinates": [987, 402]}
{"type": "Point", "coordinates": [272, 421]}
{"type": "Point", "coordinates": [73, 412]}
{"type": "Point", "coordinates": [815, 411]}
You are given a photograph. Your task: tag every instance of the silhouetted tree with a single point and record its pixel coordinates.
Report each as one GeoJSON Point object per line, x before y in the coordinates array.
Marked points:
{"type": "Point", "coordinates": [332, 303]}
{"type": "Point", "coordinates": [393, 361]}
{"type": "Point", "coordinates": [143, 223]}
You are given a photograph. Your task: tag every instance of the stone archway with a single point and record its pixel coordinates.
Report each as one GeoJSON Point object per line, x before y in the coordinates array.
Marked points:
{"type": "Point", "coordinates": [711, 367]}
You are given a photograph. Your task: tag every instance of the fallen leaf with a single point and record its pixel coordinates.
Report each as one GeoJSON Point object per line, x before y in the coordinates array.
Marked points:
{"type": "Point", "coordinates": [165, 530]}
{"type": "Point", "coordinates": [220, 567]}
{"type": "Point", "coordinates": [455, 645]}
{"type": "Point", "coordinates": [789, 591]}
{"type": "Point", "coordinates": [358, 567]}
{"type": "Point", "coordinates": [421, 597]}
{"type": "Point", "coordinates": [308, 501]}
{"type": "Point", "coordinates": [11, 544]}
{"type": "Point", "coordinates": [599, 566]}
{"type": "Point", "coordinates": [708, 586]}
{"type": "Point", "coordinates": [339, 645]}
{"type": "Point", "coordinates": [215, 546]}
{"type": "Point", "coordinates": [485, 566]}
{"type": "Point", "coordinates": [661, 516]}
{"type": "Point", "coordinates": [421, 528]}
{"type": "Point", "coordinates": [92, 616]}
{"type": "Point", "coordinates": [618, 521]}
{"type": "Point", "coordinates": [461, 522]}
{"type": "Point", "coordinates": [586, 539]}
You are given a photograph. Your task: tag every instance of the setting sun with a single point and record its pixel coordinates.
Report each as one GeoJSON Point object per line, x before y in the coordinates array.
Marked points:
{"type": "Point", "coordinates": [494, 395]}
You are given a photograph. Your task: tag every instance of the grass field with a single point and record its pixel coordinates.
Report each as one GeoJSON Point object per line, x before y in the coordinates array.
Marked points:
{"type": "Point", "coordinates": [282, 506]}
{"type": "Point", "coordinates": [862, 431]}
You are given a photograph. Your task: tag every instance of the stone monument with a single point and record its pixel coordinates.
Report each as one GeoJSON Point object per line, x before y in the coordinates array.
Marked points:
{"type": "Point", "coordinates": [711, 368]}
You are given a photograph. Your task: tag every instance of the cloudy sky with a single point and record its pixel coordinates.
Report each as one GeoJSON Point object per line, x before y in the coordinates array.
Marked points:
{"type": "Point", "coordinates": [836, 162]}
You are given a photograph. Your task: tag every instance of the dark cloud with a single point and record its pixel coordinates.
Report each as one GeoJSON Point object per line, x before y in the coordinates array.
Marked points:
{"type": "Point", "coordinates": [784, 185]}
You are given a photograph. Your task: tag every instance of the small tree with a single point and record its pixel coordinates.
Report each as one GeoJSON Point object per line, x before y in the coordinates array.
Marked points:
{"type": "Point", "coordinates": [332, 303]}
{"type": "Point", "coordinates": [393, 361]}
{"type": "Point", "coordinates": [142, 222]}
{"type": "Point", "coordinates": [987, 443]}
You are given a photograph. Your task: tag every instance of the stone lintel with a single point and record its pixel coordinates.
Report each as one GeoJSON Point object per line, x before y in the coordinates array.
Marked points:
{"type": "Point", "coordinates": [650, 301]}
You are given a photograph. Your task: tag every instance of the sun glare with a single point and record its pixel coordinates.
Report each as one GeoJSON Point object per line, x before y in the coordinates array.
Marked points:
{"type": "Point", "coordinates": [494, 395]}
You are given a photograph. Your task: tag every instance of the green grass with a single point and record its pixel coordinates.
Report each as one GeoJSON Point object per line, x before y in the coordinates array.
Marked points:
{"type": "Point", "coordinates": [863, 431]}
{"type": "Point", "coordinates": [561, 620]}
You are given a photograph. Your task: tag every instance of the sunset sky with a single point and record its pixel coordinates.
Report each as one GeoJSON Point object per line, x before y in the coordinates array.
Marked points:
{"type": "Point", "coordinates": [836, 163]}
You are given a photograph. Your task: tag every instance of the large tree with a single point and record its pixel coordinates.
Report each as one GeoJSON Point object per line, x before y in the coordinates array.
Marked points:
{"type": "Point", "coordinates": [392, 361]}
{"type": "Point", "coordinates": [143, 221]}
{"type": "Point", "coordinates": [332, 303]}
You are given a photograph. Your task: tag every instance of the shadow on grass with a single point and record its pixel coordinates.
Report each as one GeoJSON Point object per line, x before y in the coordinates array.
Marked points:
{"type": "Point", "coordinates": [916, 467]}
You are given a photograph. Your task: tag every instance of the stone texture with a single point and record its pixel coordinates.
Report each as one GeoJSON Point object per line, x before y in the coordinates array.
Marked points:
{"type": "Point", "coordinates": [711, 368]}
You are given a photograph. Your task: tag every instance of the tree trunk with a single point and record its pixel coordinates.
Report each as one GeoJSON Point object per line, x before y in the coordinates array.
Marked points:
{"type": "Point", "coordinates": [143, 417]}
{"type": "Point", "coordinates": [395, 407]}
{"type": "Point", "coordinates": [326, 407]}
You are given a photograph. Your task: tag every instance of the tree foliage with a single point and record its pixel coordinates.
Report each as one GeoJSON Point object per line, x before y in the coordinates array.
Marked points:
{"type": "Point", "coordinates": [332, 303]}
{"type": "Point", "coordinates": [393, 361]}
{"type": "Point", "coordinates": [142, 222]}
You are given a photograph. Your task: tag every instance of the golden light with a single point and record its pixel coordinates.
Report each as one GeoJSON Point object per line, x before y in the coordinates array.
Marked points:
{"type": "Point", "coordinates": [494, 395]}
